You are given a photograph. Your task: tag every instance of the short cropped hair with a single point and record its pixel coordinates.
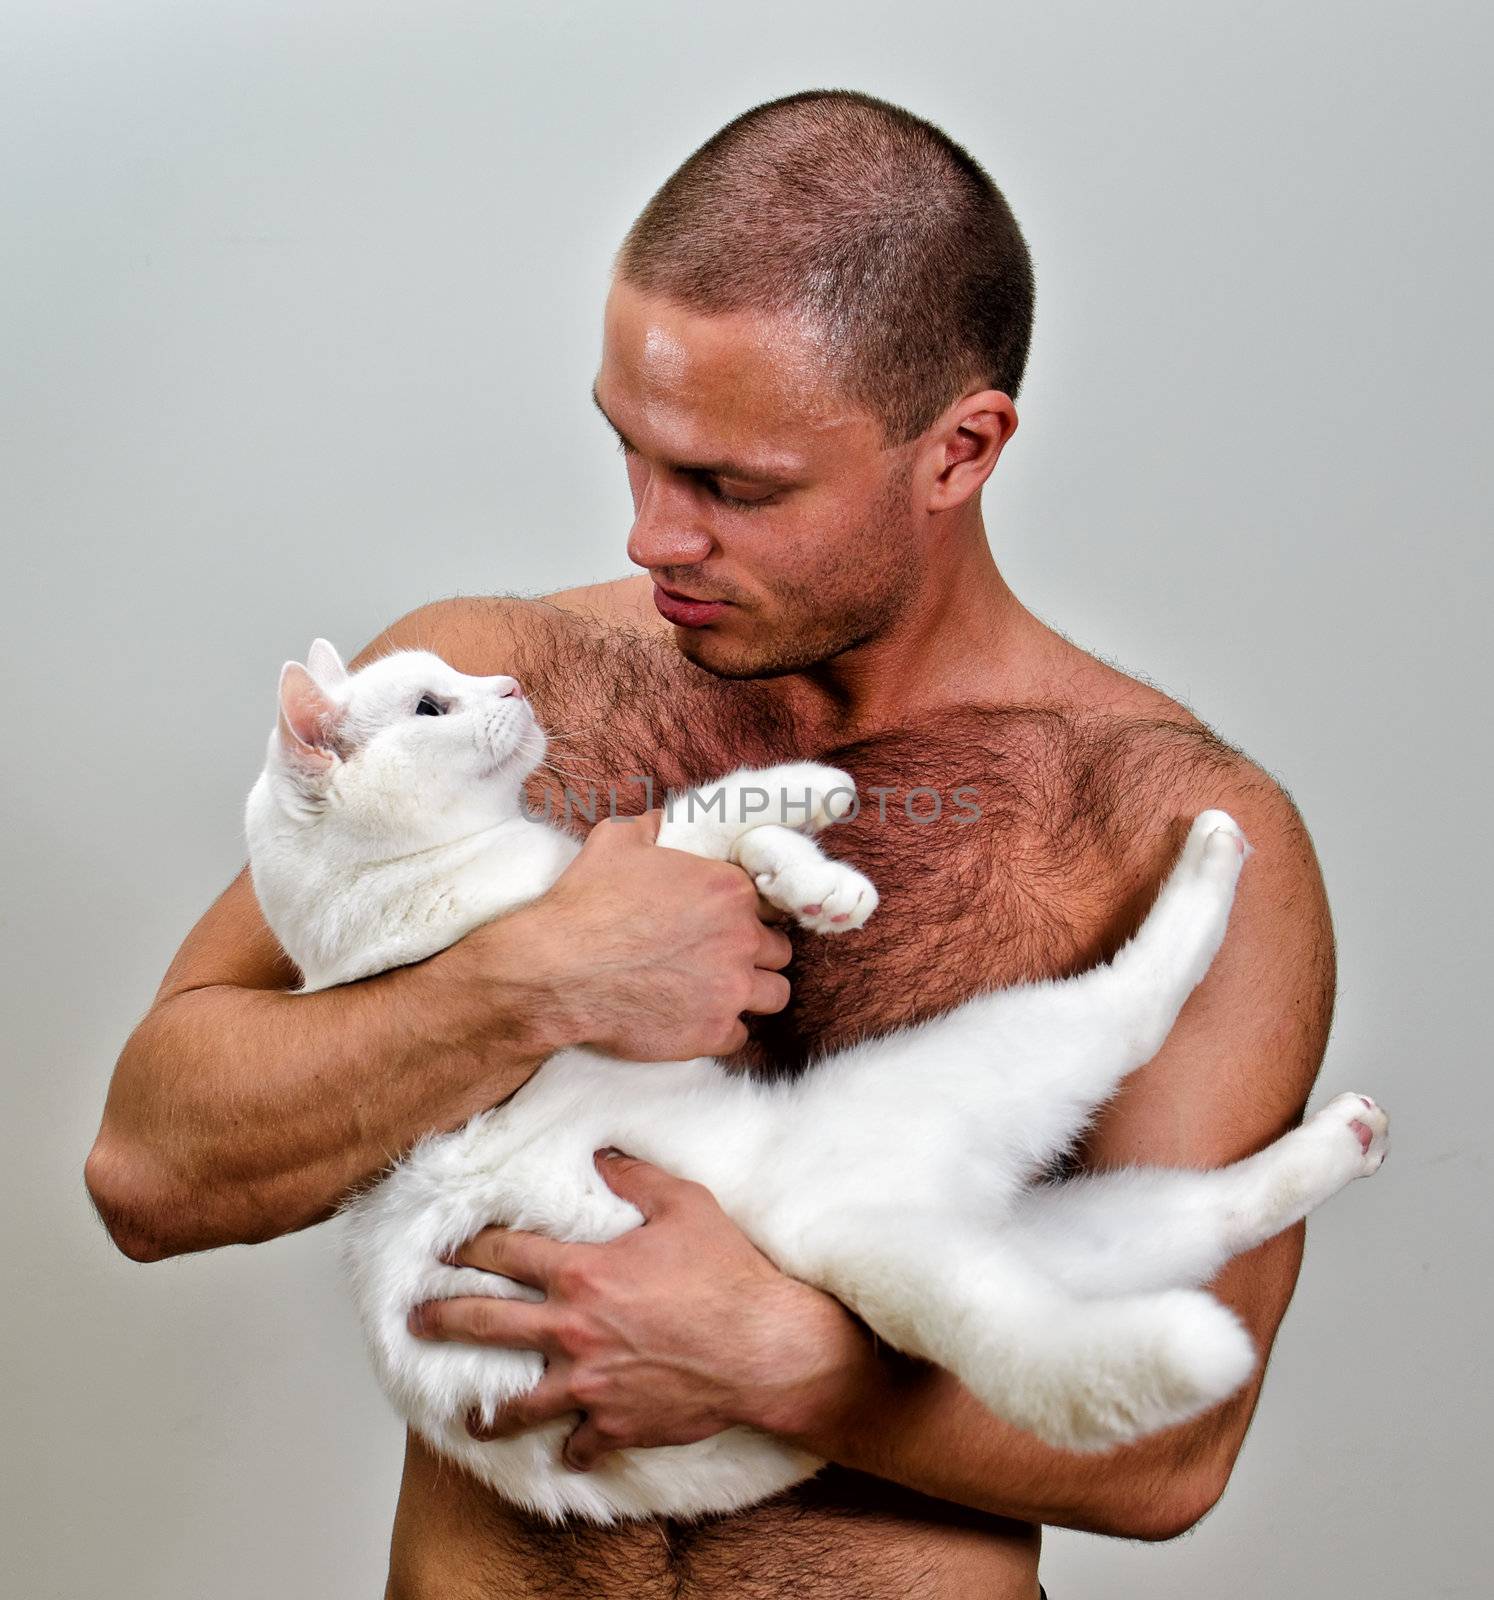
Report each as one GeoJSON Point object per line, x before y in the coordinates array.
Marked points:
{"type": "Point", "coordinates": [875, 226]}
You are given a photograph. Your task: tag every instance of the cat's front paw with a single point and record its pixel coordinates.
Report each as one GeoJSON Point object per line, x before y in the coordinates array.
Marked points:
{"type": "Point", "coordinates": [821, 895]}
{"type": "Point", "coordinates": [806, 795]}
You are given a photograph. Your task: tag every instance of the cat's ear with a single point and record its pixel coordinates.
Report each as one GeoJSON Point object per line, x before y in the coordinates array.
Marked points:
{"type": "Point", "coordinates": [307, 723]}
{"type": "Point", "coordinates": [325, 665]}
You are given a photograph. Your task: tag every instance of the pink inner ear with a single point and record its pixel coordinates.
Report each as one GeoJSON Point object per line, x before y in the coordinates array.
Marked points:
{"type": "Point", "coordinates": [308, 719]}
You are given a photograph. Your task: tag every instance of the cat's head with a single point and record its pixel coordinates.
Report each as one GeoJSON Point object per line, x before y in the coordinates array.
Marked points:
{"type": "Point", "coordinates": [403, 755]}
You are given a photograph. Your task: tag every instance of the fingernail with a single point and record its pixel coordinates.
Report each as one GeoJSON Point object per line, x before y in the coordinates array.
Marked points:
{"type": "Point", "coordinates": [611, 1153]}
{"type": "Point", "coordinates": [415, 1322]}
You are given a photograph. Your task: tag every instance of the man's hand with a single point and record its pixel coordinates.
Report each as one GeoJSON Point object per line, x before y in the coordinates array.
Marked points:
{"type": "Point", "coordinates": [669, 1334]}
{"type": "Point", "coordinates": [648, 953]}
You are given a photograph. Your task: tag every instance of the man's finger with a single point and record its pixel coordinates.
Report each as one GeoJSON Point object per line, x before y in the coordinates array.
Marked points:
{"type": "Point", "coordinates": [770, 914]}
{"type": "Point", "coordinates": [729, 1043]}
{"type": "Point", "coordinates": [774, 949]}
{"type": "Point", "coordinates": [648, 1187]}
{"type": "Point", "coordinates": [525, 1257]}
{"type": "Point", "coordinates": [481, 1319]}
{"type": "Point", "coordinates": [550, 1398]}
{"type": "Point", "coordinates": [585, 1447]}
{"type": "Point", "coordinates": [770, 993]}
{"type": "Point", "coordinates": [623, 831]}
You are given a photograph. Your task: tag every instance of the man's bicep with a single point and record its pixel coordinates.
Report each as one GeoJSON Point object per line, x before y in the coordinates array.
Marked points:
{"type": "Point", "coordinates": [1236, 1071]}
{"type": "Point", "coordinates": [1239, 1064]}
{"type": "Point", "coordinates": [231, 945]}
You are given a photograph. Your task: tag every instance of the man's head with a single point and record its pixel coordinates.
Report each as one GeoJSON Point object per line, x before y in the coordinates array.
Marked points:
{"type": "Point", "coordinates": [812, 342]}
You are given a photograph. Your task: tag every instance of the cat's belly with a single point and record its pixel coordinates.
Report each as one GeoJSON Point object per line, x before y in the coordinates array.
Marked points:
{"type": "Point", "coordinates": [529, 1165]}
{"type": "Point", "coordinates": [841, 1537]}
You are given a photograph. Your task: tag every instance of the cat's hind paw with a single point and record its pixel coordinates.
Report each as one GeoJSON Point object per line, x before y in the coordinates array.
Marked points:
{"type": "Point", "coordinates": [1216, 847]}
{"type": "Point", "coordinates": [1362, 1120]}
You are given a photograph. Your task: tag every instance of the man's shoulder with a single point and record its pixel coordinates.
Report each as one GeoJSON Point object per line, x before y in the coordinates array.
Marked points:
{"type": "Point", "coordinates": [624, 602]}
{"type": "Point", "coordinates": [1124, 768]}
{"type": "Point", "coordinates": [1161, 765]}
{"type": "Point", "coordinates": [486, 634]}
{"type": "Point", "coordinates": [1171, 765]}
{"type": "Point", "coordinates": [1165, 757]}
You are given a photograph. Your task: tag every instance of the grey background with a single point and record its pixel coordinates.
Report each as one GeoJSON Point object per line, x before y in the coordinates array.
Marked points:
{"type": "Point", "coordinates": [299, 306]}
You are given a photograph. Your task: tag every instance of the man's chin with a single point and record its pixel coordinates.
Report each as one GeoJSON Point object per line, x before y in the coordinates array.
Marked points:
{"type": "Point", "coordinates": [722, 658]}
{"type": "Point", "coordinates": [739, 660]}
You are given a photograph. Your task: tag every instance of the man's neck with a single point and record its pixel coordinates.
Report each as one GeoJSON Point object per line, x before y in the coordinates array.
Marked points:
{"type": "Point", "coordinates": [964, 638]}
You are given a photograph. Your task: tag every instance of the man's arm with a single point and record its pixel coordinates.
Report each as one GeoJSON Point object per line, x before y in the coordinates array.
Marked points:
{"type": "Point", "coordinates": [1234, 1075]}
{"type": "Point", "coordinates": [917, 1426]}
{"type": "Point", "coordinates": [666, 1339]}
{"type": "Point", "coordinates": [239, 1111]}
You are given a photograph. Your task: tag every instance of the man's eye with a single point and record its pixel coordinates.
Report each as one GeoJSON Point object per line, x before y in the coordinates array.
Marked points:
{"type": "Point", "coordinates": [712, 487]}
{"type": "Point", "coordinates": [740, 505]}
{"type": "Point", "coordinates": [430, 707]}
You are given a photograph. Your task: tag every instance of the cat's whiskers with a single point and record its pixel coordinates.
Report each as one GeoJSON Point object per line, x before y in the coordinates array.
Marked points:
{"type": "Point", "coordinates": [562, 772]}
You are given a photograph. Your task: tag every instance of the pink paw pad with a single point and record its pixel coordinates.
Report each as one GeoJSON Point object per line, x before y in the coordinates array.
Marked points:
{"type": "Point", "coordinates": [845, 916]}
{"type": "Point", "coordinates": [809, 911]}
{"type": "Point", "coordinates": [1362, 1133]}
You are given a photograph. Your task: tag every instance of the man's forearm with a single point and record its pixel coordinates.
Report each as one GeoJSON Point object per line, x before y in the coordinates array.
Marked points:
{"type": "Point", "coordinates": [917, 1426]}
{"type": "Point", "coordinates": [864, 1406]}
{"type": "Point", "coordinates": [237, 1114]}
{"type": "Point", "coordinates": [239, 1111]}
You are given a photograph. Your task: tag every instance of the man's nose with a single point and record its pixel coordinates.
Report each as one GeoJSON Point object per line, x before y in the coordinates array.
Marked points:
{"type": "Point", "coordinates": [666, 532]}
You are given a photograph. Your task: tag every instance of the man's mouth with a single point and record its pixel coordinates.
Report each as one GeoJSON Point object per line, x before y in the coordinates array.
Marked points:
{"type": "Point", "coordinates": [684, 610]}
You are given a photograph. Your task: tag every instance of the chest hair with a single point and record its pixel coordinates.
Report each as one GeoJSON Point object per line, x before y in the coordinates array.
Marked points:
{"type": "Point", "coordinates": [1044, 864]}
{"type": "Point", "coordinates": [1007, 843]}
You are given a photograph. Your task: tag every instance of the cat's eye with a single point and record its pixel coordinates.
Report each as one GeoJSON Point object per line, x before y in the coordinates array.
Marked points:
{"type": "Point", "coordinates": [430, 706]}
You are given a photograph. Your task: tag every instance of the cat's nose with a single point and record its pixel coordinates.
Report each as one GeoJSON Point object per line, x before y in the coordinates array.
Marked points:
{"type": "Point", "coordinates": [508, 688]}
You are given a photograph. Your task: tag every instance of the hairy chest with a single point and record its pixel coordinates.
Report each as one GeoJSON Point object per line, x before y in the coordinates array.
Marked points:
{"type": "Point", "coordinates": [1006, 844]}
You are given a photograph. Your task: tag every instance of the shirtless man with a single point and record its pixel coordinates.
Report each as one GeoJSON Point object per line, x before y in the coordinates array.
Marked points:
{"type": "Point", "coordinates": [810, 350]}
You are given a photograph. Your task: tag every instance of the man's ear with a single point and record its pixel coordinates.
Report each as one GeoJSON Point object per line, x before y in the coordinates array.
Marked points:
{"type": "Point", "coordinates": [325, 665]}
{"type": "Point", "coordinates": [307, 723]}
{"type": "Point", "coordinates": [971, 436]}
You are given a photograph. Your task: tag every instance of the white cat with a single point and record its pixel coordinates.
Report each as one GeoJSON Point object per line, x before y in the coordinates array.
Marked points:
{"type": "Point", "coordinates": [896, 1174]}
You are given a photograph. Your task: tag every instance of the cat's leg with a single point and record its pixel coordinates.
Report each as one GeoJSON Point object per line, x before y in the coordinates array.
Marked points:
{"type": "Point", "coordinates": [1155, 1228]}
{"type": "Point", "coordinates": [1166, 959]}
{"type": "Point", "coordinates": [794, 874]}
{"type": "Point", "coordinates": [710, 819]}
{"type": "Point", "coordinates": [1092, 1031]}
{"type": "Point", "coordinates": [763, 820]}
{"type": "Point", "coordinates": [1080, 1374]}
{"type": "Point", "coordinates": [1009, 1080]}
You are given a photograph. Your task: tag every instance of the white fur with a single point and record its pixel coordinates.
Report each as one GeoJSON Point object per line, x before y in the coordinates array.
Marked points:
{"type": "Point", "coordinates": [896, 1174]}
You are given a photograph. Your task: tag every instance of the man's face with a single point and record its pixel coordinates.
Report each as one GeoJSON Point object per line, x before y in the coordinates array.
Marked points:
{"type": "Point", "coordinates": [759, 492]}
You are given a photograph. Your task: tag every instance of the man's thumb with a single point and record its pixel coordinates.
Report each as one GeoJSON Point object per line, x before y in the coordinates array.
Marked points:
{"type": "Point", "coordinates": [646, 1186]}
{"type": "Point", "coordinates": [642, 829]}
